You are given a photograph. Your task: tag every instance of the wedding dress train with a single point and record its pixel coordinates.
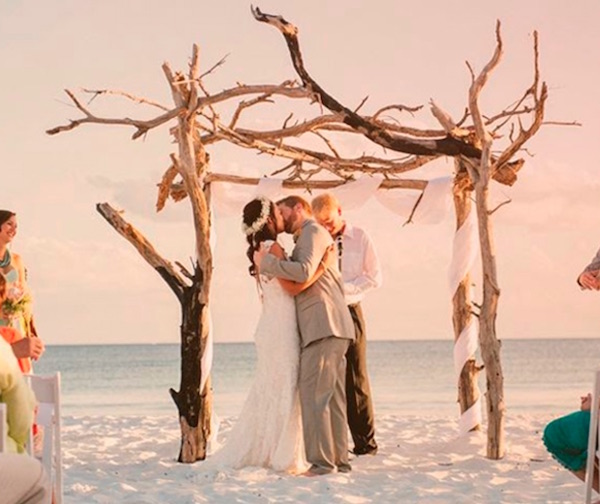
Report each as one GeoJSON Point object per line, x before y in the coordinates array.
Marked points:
{"type": "Point", "coordinates": [268, 432]}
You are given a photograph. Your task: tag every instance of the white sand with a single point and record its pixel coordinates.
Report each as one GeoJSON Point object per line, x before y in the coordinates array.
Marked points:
{"type": "Point", "coordinates": [132, 460]}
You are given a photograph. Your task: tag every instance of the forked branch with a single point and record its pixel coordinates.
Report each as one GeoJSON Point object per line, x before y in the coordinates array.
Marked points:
{"type": "Point", "coordinates": [447, 145]}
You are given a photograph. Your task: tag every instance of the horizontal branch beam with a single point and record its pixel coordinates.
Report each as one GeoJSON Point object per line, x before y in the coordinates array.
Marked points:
{"type": "Point", "coordinates": [418, 185]}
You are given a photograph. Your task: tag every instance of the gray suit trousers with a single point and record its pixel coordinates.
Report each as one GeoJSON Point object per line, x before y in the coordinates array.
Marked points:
{"type": "Point", "coordinates": [361, 418]}
{"type": "Point", "coordinates": [23, 480]}
{"type": "Point", "coordinates": [323, 400]}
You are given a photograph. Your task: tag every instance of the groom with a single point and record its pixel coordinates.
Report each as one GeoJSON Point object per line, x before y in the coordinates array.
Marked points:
{"type": "Point", "coordinates": [326, 331]}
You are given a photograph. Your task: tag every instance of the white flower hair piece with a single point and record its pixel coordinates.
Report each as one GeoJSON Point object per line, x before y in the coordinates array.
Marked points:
{"type": "Point", "coordinates": [261, 220]}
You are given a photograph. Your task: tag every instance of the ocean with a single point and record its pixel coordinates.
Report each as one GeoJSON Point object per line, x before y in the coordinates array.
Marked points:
{"type": "Point", "coordinates": [407, 377]}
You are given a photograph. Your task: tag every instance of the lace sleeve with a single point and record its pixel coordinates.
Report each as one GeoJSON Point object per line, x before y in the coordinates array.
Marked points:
{"type": "Point", "coordinates": [267, 244]}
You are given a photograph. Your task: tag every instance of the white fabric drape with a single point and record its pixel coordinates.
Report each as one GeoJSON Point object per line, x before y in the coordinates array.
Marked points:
{"type": "Point", "coordinates": [464, 253]}
{"type": "Point", "coordinates": [228, 199]}
{"type": "Point", "coordinates": [355, 194]}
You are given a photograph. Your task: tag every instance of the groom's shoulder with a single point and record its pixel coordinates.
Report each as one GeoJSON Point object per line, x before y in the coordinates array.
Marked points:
{"type": "Point", "coordinates": [313, 228]}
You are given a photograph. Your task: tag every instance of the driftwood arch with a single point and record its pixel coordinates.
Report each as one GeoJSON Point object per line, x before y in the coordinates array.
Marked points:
{"type": "Point", "coordinates": [196, 124]}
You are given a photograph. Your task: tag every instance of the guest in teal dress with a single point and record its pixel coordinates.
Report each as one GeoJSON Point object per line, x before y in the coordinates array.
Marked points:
{"type": "Point", "coordinates": [566, 438]}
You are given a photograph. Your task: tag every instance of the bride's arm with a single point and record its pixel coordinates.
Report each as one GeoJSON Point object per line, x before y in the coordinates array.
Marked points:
{"type": "Point", "coordinates": [295, 288]}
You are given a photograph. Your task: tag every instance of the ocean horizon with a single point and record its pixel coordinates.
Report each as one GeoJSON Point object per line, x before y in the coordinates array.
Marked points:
{"type": "Point", "coordinates": [407, 376]}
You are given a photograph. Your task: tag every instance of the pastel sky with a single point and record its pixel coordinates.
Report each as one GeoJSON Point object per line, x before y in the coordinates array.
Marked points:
{"type": "Point", "coordinates": [91, 286]}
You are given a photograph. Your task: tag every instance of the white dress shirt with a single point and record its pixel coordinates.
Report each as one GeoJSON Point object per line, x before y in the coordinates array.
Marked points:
{"type": "Point", "coordinates": [361, 271]}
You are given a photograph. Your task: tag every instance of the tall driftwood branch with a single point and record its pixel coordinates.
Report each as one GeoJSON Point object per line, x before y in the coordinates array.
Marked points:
{"type": "Point", "coordinates": [490, 346]}
{"type": "Point", "coordinates": [194, 405]}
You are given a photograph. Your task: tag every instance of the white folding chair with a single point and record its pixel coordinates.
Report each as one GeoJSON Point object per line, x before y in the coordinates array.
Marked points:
{"type": "Point", "coordinates": [593, 452]}
{"type": "Point", "coordinates": [48, 417]}
{"type": "Point", "coordinates": [3, 428]}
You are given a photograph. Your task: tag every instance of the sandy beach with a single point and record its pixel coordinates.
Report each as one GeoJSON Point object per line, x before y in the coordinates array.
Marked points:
{"type": "Point", "coordinates": [131, 459]}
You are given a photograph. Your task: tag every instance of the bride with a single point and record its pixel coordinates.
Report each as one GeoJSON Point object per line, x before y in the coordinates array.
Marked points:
{"type": "Point", "coordinates": [268, 432]}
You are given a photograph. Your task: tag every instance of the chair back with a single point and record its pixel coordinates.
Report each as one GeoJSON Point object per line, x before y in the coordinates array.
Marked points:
{"type": "Point", "coordinates": [592, 439]}
{"type": "Point", "coordinates": [48, 417]}
{"type": "Point", "coordinates": [3, 428]}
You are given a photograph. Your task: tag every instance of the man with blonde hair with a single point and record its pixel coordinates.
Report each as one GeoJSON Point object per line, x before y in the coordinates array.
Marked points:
{"type": "Point", "coordinates": [361, 272]}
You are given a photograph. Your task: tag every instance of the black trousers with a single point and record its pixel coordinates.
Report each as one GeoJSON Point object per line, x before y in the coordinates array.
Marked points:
{"type": "Point", "coordinates": [361, 418]}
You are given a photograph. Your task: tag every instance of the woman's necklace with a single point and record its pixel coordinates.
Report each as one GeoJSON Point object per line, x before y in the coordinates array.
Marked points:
{"type": "Point", "coordinates": [5, 261]}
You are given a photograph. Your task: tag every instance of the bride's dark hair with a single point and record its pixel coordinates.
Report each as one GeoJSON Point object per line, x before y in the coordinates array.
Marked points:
{"type": "Point", "coordinates": [254, 212]}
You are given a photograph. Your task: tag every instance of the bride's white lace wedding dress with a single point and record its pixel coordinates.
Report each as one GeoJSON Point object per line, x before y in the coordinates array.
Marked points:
{"type": "Point", "coordinates": [268, 432]}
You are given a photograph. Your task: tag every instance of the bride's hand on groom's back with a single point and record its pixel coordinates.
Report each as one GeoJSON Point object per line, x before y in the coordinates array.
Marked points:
{"type": "Point", "coordinates": [329, 257]}
{"type": "Point", "coordinates": [259, 255]}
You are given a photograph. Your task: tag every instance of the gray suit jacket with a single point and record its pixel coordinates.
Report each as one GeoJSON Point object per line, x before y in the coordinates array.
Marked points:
{"type": "Point", "coordinates": [321, 309]}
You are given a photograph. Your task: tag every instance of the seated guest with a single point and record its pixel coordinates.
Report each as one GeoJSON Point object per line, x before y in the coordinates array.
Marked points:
{"type": "Point", "coordinates": [23, 480]}
{"type": "Point", "coordinates": [18, 397]}
{"type": "Point", "coordinates": [566, 438]}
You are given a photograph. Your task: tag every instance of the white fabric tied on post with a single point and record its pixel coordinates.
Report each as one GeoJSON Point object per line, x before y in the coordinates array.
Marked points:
{"type": "Point", "coordinates": [436, 203]}
{"type": "Point", "coordinates": [464, 254]}
{"type": "Point", "coordinates": [229, 199]}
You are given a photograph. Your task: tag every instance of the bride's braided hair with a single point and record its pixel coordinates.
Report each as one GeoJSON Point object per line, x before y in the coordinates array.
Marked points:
{"type": "Point", "coordinates": [259, 210]}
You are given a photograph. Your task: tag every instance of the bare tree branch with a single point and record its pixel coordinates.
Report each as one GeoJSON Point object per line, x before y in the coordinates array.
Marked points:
{"type": "Point", "coordinates": [448, 145]}
{"type": "Point", "coordinates": [364, 100]}
{"type": "Point", "coordinates": [136, 99]}
{"type": "Point", "coordinates": [214, 67]}
{"type": "Point", "coordinates": [401, 108]}
{"type": "Point", "coordinates": [539, 96]}
{"type": "Point", "coordinates": [506, 202]}
{"type": "Point", "coordinates": [140, 125]}
{"type": "Point", "coordinates": [414, 209]}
